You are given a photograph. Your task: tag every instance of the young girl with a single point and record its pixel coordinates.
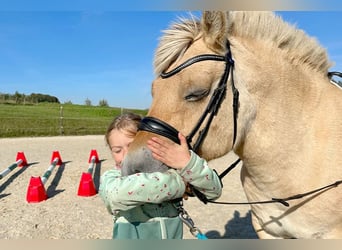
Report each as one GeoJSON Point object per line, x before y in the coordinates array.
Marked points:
{"type": "Point", "coordinates": [144, 205]}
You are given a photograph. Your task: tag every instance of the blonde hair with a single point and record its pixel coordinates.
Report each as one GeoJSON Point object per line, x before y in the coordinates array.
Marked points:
{"type": "Point", "coordinates": [128, 123]}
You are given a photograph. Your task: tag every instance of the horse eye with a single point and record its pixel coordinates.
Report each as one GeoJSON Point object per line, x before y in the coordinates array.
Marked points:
{"type": "Point", "coordinates": [197, 95]}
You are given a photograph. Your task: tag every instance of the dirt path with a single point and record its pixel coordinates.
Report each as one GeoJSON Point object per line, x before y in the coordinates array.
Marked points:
{"type": "Point", "coordinates": [65, 215]}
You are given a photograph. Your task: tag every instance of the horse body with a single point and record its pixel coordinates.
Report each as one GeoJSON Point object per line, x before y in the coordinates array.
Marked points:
{"type": "Point", "coordinates": [303, 159]}
{"type": "Point", "coordinates": [289, 122]}
{"type": "Point", "coordinates": [292, 147]}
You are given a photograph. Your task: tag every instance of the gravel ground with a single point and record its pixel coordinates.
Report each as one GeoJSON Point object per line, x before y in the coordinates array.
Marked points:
{"type": "Point", "coordinates": [65, 215]}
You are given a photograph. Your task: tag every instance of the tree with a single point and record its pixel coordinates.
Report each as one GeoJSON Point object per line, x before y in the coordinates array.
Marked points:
{"type": "Point", "coordinates": [37, 97]}
{"type": "Point", "coordinates": [87, 102]}
{"type": "Point", "coordinates": [17, 97]}
{"type": "Point", "coordinates": [103, 103]}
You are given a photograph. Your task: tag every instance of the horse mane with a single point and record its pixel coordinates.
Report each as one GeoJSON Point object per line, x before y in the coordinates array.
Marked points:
{"type": "Point", "coordinates": [266, 26]}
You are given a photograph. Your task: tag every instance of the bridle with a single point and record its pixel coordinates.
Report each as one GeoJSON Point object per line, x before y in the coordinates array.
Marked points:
{"type": "Point", "coordinates": [154, 125]}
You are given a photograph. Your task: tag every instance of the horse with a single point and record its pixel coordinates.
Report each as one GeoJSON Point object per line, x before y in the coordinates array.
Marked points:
{"type": "Point", "coordinates": [251, 83]}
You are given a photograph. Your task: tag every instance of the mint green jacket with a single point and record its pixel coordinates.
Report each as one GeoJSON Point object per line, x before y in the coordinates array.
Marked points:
{"type": "Point", "coordinates": [143, 204]}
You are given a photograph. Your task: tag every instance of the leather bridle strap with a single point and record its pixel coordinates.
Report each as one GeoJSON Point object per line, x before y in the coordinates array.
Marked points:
{"type": "Point", "coordinates": [191, 61]}
{"type": "Point", "coordinates": [283, 201]}
{"type": "Point", "coordinates": [156, 126]}
{"type": "Point", "coordinates": [217, 97]}
{"type": "Point", "coordinates": [334, 73]}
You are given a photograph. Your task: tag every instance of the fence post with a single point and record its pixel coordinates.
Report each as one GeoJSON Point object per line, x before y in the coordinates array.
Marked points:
{"type": "Point", "coordinates": [61, 129]}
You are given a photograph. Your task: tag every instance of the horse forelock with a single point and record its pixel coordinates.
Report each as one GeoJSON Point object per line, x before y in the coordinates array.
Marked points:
{"type": "Point", "coordinates": [264, 26]}
{"type": "Point", "coordinates": [174, 42]}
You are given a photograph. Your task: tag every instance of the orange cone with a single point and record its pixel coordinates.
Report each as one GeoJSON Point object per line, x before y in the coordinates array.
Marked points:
{"type": "Point", "coordinates": [36, 190]}
{"type": "Point", "coordinates": [93, 152]}
{"type": "Point", "coordinates": [86, 186]}
{"type": "Point", "coordinates": [21, 156]}
{"type": "Point", "coordinates": [55, 154]}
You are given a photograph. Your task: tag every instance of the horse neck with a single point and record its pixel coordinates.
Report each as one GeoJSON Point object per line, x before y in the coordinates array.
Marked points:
{"type": "Point", "coordinates": [285, 97]}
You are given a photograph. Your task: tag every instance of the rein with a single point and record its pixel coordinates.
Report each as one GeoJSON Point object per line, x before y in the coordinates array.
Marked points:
{"type": "Point", "coordinates": [283, 201]}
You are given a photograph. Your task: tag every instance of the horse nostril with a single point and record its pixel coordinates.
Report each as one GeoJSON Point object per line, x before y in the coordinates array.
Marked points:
{"type": "Point", "coordinates": [141, 161]}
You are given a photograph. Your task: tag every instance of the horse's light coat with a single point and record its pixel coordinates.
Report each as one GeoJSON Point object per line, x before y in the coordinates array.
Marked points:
{"type": "Point", "coordinates": [290, 116]}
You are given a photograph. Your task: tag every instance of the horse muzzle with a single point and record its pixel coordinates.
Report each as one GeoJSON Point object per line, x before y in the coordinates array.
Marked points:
{"type": "Point", "coordinates": [139, 159]}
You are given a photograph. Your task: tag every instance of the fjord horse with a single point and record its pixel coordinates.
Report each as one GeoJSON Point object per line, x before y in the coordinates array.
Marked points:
{"type": "Point", "coordinates": [274, 106]}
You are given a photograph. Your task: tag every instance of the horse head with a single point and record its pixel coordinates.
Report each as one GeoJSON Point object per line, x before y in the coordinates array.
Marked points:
{"type": "Point", "coordinates": [194, 86]}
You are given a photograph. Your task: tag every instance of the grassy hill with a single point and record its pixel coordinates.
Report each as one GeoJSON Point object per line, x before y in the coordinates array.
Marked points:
{"type": "Point", "coordinates": [51, 119]}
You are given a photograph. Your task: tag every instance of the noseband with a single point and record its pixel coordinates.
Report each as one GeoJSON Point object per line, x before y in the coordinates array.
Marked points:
{"type": "Point", "coordinates": [154, 125]}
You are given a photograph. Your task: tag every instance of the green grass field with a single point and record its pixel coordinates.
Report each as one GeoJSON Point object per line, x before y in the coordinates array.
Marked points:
{"type": "Point", "coordinates": [51, 119]}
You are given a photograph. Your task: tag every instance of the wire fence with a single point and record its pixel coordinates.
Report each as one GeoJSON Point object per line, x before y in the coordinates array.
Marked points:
{"type": "Point", "coordinates": [54, 120]}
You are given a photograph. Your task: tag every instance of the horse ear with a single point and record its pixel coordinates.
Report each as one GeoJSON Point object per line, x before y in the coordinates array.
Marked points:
{"type": "Point", "coordinates": [215, 29]}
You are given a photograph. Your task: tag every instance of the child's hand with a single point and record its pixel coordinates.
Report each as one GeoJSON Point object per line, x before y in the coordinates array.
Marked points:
{"type": "Point", "coordinates": [170, 153]}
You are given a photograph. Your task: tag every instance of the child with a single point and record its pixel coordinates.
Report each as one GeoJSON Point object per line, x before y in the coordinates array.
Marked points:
{"type": "Point", "coordinates": [144, 205]}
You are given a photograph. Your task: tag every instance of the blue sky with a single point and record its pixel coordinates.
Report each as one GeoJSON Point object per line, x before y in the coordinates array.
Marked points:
{"type": "Point", "coordinates": [75, 55]}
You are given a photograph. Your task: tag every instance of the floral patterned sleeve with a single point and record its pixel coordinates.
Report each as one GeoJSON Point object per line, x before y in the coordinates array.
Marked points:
{"type": "Point", "coordinates": [202, 177]}
{"type": "Point", "coordinates": [125, 192]}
